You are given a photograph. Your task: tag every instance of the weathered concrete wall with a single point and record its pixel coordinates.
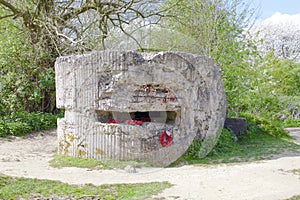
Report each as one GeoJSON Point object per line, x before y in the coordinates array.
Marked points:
{"type": "Point", "coordinates": [185, 90]}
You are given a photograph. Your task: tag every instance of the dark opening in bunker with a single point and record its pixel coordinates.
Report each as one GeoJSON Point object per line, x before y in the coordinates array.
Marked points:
{"type": "Point", "coordinates": [168, 117]}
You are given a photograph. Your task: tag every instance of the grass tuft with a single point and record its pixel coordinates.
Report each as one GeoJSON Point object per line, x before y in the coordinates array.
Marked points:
{"type": "Point", "coordinates": [68, 161]}
{"type": "Point", "coordinates": [60, 161]}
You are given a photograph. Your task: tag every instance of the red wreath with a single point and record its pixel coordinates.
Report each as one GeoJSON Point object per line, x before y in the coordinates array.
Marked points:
{"type": "Point", "coordinates": [131, 122]}
{"type": "Point", "coordinates": [134, 122]}
{"type": "Point", "coordinates": [112, 121]}
{"type": "Point", "coordinates": [165, 139]}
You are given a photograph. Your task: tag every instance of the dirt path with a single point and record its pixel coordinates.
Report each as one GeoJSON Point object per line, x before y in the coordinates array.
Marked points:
{"type": "Point", "coordinates": [270, 179]}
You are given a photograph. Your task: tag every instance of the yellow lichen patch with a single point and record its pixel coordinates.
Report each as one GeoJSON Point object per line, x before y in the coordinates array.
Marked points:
{"type": "Point", "coordinates": [100, 151]}
{"type": "Point", "coordinates": [68, 145]}
{"type": "Point", "coordinates": [60, 145]}
{"type": "Point", "coordinates": [66, 149]}
{"type": "Point", "coordinates": [71, 137]}
{"type": "Point", "coordinates": [113, 126]}
{"type": "Point", "coordinates": [81, 152]}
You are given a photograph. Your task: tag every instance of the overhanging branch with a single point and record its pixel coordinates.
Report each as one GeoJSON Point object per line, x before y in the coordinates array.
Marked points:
{"type": "Point", "coordinates": [6, 16]}
{"type": "Point", "coordinates": [9, 6]}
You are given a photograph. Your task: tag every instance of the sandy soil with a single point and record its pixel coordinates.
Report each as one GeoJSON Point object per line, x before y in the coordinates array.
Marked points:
{"type": "Point", "coordinates": [270, 179]}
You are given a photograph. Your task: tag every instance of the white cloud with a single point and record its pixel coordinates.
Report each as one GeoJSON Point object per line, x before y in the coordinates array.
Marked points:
{"type": "Point", "coordinates": [283, 20]}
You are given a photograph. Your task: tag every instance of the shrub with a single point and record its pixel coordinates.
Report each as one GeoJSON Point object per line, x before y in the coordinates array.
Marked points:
{"type": "Point", "coordinates": [264, 123]}
{"type": "Point", "coordinates": [13, 128]}
{"type": "Point", "coordinates": [22, 123]}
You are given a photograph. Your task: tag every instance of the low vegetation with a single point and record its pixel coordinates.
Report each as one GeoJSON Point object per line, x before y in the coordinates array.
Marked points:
{"type": "Point", "coordinates": [261, 142]}
{"type": "Point", "coordinates": [255, 146]}
{"type": "Point", "coordinates": [295, 198]}
{"type": "Point", "coordinates": [68, 161]}
{"type": "Point", "coordinates": [25, 188]}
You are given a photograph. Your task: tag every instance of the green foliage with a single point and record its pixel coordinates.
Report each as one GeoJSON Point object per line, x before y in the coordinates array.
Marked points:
{"type": "Point", "coordinates": [264, 125]}
{"type": "Point", "coordinates": [226, 143]}
{"type": "Point", "coordinates": [265, 138]}
{"type": "Point", "coordinates": [16, 188]}
{"type": "Point", "coordinates": [211, 145]}
{"type": "Point", "coordinates": [265, 90]}
{"type": "Point", "coordinates": [194, 149]}
{"type": "Point", "coordinates": [26, 74]}
{"type": "Point", "coordinates": [291, 123]}
{"type": "Point", "coordinates": [262, 86]}
{"type": "Point", "coordinates": [297, 197]}
{"type": "Point", "coordinates": [24, 85]}
{"type": "Point", "coordinates": [269, 106]}
{"type": "Point", "coordinates": [22, 123]}
{"type": "Point", "coordinates": [284, 76]}
{"type": "Point", "coordinates": [13, 128]}
{"type": "Point", "coordinates": [217, 29]}
{"type": "Point", "coordinates": [257, 145]}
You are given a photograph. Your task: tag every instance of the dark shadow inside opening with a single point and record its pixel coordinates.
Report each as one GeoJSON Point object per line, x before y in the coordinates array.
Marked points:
{"type": "Point", "coordinates": [168, 117]}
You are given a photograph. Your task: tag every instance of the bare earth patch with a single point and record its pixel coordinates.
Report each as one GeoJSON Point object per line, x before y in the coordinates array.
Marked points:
{"type": "Point", "coordinates": [29, 157]}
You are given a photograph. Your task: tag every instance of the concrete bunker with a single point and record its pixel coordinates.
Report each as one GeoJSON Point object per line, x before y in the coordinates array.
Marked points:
{"type": "Point", "coordinates": [119, 104]}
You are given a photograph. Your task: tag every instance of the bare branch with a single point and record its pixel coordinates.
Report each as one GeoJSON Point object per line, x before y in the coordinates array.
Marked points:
{"type": "Point", "coordinates": [131, 36]}
{"type": "Point", "coordinates": [74, 25]}
{"type": "Point", "coordinates": [78, 11]}
{"type": "Point", "coordinates": [6, 16]}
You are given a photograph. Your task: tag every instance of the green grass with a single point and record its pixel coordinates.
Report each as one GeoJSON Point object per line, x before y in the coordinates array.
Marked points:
{"type": "Point", "coordinates": [295, 198]}
{"type": "Point", "coordinates": [254, 147]}
{"type": "Point", "coordinates": [68, 161]}
{"type": "Point", "coordinates": [16, 188]}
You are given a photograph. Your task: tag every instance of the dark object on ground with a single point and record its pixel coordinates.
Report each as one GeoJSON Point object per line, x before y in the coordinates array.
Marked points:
{"type": "Point", "coordinates": [237, 126]}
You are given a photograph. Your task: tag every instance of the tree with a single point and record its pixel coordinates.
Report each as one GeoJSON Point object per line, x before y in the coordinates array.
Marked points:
{"type": "Point", "coordinates": [280, 34]}
{"type": "Point", "coordinates": [216, 28]}
{"type": "Point", "coordinates": [60, 27]}
{"type": "Point", "coordinates": [278, 41]}
{"type": "Point", "coordinates": [72, 25]}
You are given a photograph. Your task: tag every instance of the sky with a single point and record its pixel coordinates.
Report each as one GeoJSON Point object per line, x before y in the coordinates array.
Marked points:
{"type": "Point", "coordinates": [267, 8]}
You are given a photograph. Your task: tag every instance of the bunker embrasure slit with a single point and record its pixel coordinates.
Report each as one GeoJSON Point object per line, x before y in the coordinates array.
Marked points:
{"type": "Point", "coordinates": [167, 117]}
